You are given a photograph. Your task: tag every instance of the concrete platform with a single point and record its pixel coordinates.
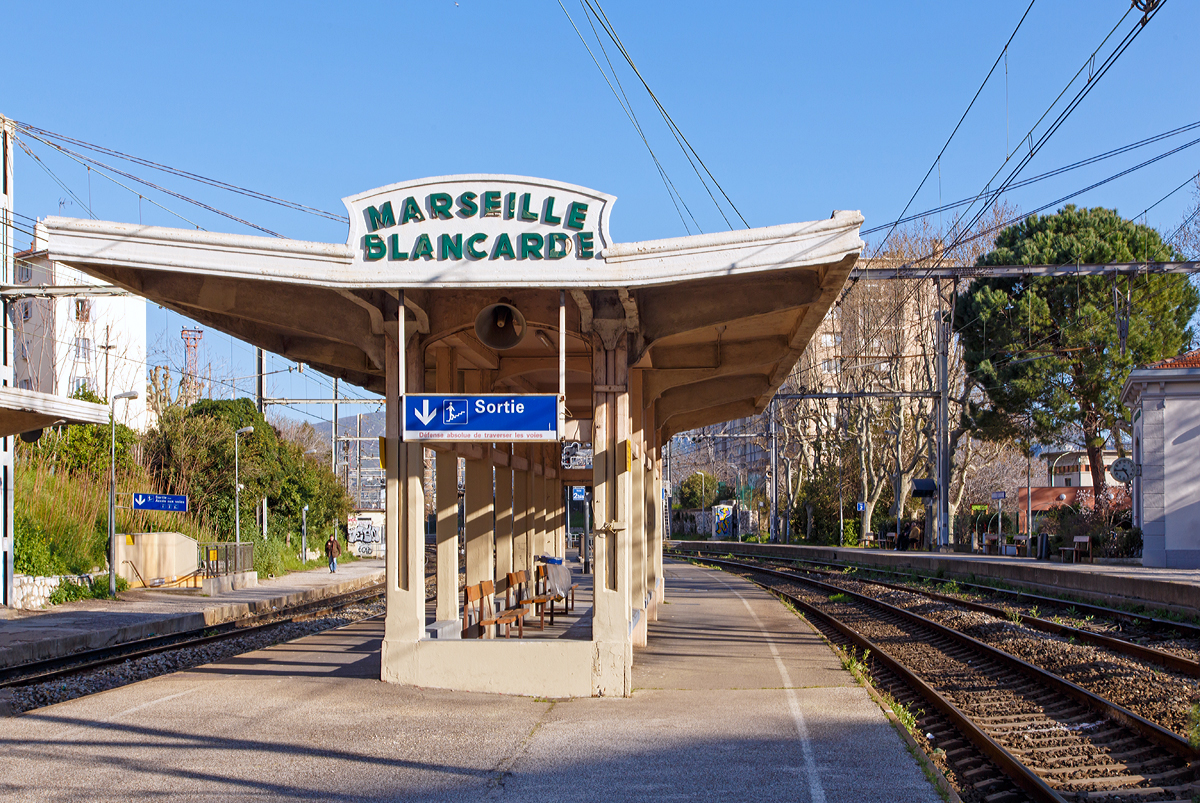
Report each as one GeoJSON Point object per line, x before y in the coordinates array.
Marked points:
{"type": "Point", "coordinates": [1112, 584]}
{"type": "Point", "coordinates": [735, 699]}
{"type": "Point", "coordinates": [87, 624]}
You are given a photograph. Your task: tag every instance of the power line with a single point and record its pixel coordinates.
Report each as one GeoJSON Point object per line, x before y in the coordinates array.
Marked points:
{"type": "Point", "coordinates": [970, 106]}
{"type": "Point", "coordinates": [186, 174]}
{"type": "Point", "coordinates": [672, 193]}
{"type": "Point", "coordinates": [602, 18]}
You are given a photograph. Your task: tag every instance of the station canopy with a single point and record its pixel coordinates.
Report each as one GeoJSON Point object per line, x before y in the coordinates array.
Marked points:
{"type": "Point", "coordinates": [716, 321]}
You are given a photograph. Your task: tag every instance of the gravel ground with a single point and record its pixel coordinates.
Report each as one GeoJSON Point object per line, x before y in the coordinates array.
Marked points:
{"type": "Point", "coordinates": [1065, 614]}
{"type": "Point", "coordinates": [1158, 694]}
{"type": "Point", "coordinates": [25, 698]}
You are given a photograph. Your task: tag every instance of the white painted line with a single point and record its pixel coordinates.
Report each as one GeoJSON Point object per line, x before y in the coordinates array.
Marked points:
{"type": "Point", "coordinates": [72, 731]}
{"type": "Point", "coordinates": [815, 790]}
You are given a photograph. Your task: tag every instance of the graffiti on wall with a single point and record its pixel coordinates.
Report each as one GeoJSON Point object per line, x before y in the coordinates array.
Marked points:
{"type": "Point", "coordinates": [365, 534]}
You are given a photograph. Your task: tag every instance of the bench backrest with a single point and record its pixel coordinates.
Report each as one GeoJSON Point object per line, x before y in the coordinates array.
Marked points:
{"type": "Point", "coordinates": [515, 582]}
{"type": "Point", "coordinates": [1083, 540]}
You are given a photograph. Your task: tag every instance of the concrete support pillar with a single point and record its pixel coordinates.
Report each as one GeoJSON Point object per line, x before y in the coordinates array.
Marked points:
{"type": "Point", "coordinates": [660, 525]}
{"type": "Point", "coordinates": [611, 639]}
{"type": "Point", "coordinates": [521, 523]}
{"type": "Point", "coordinates": [404, 528]}
{"type": "Point", "coordinates": [479, 532]}
{"type": "Point", "coordinates": [446, 500]}
{"type": "Point", "coordinates": [637, 511]}
{"type": "Point", "coordinates": [537, 535]}
{"type": "Point", "coordinates": [504, 525]}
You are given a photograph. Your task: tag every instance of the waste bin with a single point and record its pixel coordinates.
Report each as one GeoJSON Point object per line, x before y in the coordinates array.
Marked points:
{"type": "Point", "coordinates": [1043, 546]}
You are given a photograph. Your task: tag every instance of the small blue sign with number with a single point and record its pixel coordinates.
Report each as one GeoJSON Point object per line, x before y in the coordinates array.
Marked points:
{"type": "Point", "coordinates": [862, 506]}
{"type": "Point", "coordinates": [578, 493]}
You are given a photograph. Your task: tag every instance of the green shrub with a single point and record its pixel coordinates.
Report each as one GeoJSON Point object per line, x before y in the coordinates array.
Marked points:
{"type": "Point", "coordinates": [32, 553]}
{"type": "Point", "coordinates": [69, 591]}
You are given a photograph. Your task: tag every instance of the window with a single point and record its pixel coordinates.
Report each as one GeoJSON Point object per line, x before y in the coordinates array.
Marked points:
{"type": "Point", "coordinates": [24, 351]}
{"type": "Point", "coordinates": [79, 383]}
{"type": "Point", "coordinates": [830, 366]}
{"type": "Point", "coordinates": [26, 310]}
{"type": "Point", "coordinates": [25, 384]}
{"type": "Point", "coordinates": [24, 273]}
{"type": "Point", "coordinates": [83, 348]}
{"type": "Point", "coordinates": [1066, 482]}
{"type": "Point", "coordinates": [829, 341]}
{"type": "Point", "coordinates": [83, 310]}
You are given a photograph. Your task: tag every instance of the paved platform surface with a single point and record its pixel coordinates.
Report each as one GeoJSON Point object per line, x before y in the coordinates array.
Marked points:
{"type": "Point", "coordinates": [86, 624]}
{"type": "Point", "coordinates": [735, 699]}
{"type": "Point", "coordinates": [1104, 582]}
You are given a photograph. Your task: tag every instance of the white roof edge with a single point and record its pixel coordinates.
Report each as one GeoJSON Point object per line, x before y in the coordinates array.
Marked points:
{"type": "Point", "coordinates": [164, 234]}
{"type": "Point", "coordinates": [839, 221]}
{"type": "Point", "coordinates": [73, 411]}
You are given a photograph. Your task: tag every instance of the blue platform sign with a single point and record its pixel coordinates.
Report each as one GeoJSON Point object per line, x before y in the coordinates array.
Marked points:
{"type": "Point", "coordinates": [862, 506]}
{"type": "Point", "coordinates": [171, 503]}
{"type": "Point", "coordinates": [578, 493]}
{"type": "Point", "coordinates": [483, 417]}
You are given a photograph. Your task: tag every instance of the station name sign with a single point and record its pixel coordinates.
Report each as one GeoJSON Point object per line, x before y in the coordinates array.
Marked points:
{"type": "Point", "coordinates": [478, 228]}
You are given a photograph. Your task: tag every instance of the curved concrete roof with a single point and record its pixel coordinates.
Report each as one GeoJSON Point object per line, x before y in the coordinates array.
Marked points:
{"type": "Point", "coordinates": [716, 320]}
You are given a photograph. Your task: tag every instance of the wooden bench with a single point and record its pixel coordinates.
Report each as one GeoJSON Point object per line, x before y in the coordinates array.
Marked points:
{"type": "Point", "coordinates": [1022, 541]}
{"type": "Point", "coordinates": [1082, 546]}
{"type": "Point", "coordinates": [514, 607]}
{"type": "Point", "coordinates": [991, 544]}
{"type": "Point", "coordinates": [477, 600]}
{"type": "Point", "coordinates": [870, 540]}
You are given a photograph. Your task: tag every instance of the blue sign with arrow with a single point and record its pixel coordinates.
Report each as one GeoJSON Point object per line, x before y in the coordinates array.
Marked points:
{"type": "Point", "coordinates": [171, 503]}
{"type": "Point", "coordinates": [482, 417]}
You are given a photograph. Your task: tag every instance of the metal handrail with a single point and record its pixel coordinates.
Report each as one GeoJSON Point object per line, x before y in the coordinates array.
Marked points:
{"type": "Point", "coordinates": [218, 559]}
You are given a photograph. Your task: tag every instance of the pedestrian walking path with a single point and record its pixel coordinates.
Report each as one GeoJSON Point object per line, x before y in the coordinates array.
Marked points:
{"type": "Point", "coordinates": [736, 699]}
{"type": "Point", "coordinates": [87, 624]}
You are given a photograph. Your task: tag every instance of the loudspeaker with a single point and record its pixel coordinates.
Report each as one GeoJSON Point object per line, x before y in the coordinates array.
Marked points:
{"type": "Point", "coordinates": [32, 435]}
{"type": "Point", "coordinates": [500, 326]}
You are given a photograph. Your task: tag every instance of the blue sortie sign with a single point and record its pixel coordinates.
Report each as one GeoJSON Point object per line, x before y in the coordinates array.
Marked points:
{"type": "Point", "coordinates": [488, 417]}
{"type": "Point", "coordinates": [169, 502]}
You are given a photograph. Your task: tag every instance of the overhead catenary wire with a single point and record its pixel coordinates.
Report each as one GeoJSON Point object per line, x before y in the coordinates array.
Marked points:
{"type": "Point", "coordinates": [688, 150]}
{"type": "Point", "coordinates": [672, 193]}
{"type": "Point", "coordinates": [989, 196]}
{"type": "Point", "coordinates": [184, 173]}
{"type": "Point", "coordinates": [98, 164]}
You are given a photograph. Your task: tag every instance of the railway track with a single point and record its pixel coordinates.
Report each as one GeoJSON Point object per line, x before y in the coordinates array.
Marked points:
{"type": "Point", "coordinates": [1166, 630]}
{"type": "Point", "coordinates": [54, 669]}
{"type": "Point", "coordinates": [1005, 730]}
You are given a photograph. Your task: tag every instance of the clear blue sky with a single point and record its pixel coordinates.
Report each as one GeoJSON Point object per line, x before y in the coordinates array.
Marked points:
{"type": "Point", "coordinates": [797, 108]}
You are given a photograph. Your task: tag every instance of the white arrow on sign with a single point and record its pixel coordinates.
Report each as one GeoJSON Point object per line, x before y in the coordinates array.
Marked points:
{"type": "Point", "coordinates": [139, 499]}
{"type": "Point", "coordinates": [425, 415]}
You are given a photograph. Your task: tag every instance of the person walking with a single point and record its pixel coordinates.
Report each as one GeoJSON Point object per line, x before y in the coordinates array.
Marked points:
{"type": "Point", "coordinates": [332, 550]}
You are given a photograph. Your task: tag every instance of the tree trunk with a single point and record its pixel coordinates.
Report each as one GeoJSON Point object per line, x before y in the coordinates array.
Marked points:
{"type": "Point", "coordinates": [1096, 460]}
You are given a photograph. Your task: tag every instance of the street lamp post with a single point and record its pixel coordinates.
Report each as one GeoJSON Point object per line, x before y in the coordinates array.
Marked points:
{"type": "Point", "coordinates": [237, 486]}
{"type": "Point", "coordinates": [304, 534]}
{"type": "Point", "coordinates": [112, 490]}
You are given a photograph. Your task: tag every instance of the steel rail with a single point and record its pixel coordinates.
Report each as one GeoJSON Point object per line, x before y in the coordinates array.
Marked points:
{"type": "Point", "coordinates": [1149, 730]}
{"type": "Point", "coordinates": [1125, 647]}
{"type": "Point", "coordinates": [77, 663]}
{"type": "Point", "coordinates": [1100, 610]}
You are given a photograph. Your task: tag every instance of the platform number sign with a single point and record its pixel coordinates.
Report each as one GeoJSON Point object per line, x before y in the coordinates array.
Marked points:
{"type": "Point", "coordinates": [861, 507]}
